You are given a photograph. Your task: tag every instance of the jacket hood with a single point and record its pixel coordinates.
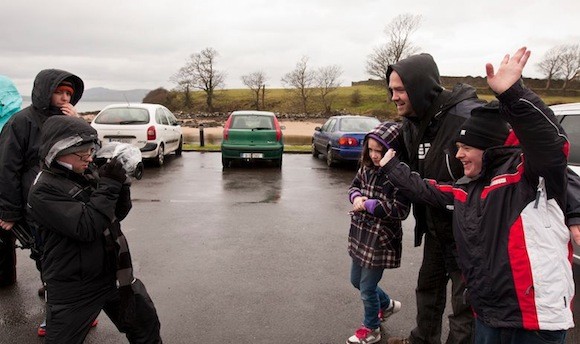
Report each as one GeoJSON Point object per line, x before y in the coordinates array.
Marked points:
{"type": "Point", "coordinates": [63, 132]}
{"type": "Point", "coordinates": [46, 82]}
{"type": "Point", "coordinates": [421, 79]}
{"type": "Point", "coordinates": [10, 99]}
{"type": "Point", "coordinates": [387, 134]}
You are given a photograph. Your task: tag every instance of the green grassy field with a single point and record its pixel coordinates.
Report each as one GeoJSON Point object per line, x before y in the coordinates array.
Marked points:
{"type": "Point", "coordinates": [372, 100]}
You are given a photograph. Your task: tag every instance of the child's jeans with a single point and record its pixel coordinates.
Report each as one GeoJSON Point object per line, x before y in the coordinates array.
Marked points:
{"type": "Point", "coordinates": [373, 297]}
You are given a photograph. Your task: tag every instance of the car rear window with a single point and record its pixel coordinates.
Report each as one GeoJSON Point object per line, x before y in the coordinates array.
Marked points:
{"type": "Point", "coordinates": [252, 122]}
{"type": "Point", "coordinates": [123, 116]}
{"type": "Point", "coordinates": [571, 125]}
{"type": "Point", "coordinates": [360, 125]}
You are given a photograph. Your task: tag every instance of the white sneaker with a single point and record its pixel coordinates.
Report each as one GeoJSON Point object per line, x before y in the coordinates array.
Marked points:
{"type": "Point", "coordinates": [393, 308]}
{"type": "Point", "coordinates": [365, 335]}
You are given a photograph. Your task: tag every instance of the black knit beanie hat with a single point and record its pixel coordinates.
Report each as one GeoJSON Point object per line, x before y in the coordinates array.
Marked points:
{"type": "Point", "coordinates": [485, 128]}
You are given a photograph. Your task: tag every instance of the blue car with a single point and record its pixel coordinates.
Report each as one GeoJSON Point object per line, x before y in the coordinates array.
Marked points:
{"type": "Point", "coordinates": [341, 138]}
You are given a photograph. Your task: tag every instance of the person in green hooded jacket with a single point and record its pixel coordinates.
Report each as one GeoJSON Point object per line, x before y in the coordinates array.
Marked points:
{"type": "Point", "coordinates": [10, 100]}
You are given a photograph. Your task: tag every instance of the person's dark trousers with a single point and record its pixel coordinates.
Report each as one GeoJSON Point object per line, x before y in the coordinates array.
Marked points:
{"type": "Point", "coordinates": [146, 327]}
{"type": "Point", "coordinates": [431, 297]}
{"type": "Point", "coordinates": [491, 335]}
{"type": "Point", "coordinates": [71, 323]}
{"type": "Point", "coordinates": [7, 258]}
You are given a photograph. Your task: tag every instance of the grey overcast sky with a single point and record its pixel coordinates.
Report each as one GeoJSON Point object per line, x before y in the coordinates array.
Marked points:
{"type": "Point", "coordinates": [132, 44]}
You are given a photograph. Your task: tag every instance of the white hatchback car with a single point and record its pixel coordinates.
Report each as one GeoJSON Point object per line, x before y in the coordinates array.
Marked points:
{"type": "Point", "coordinates": [150, 127]}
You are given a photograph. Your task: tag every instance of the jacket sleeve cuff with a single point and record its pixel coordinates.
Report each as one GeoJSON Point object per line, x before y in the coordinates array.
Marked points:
{"type": "Point", "coordinates": [354, 195]}
{"type": "Point", "coordinates": [573, 220]}
{"type": "Point", "coordinates": [389, 166]}
{"type": "Point", "coordinates": [512, 94]}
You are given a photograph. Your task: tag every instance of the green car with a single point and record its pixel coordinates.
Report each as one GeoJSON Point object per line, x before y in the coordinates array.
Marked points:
{"type": "Point", "coordinates": [252, 136]}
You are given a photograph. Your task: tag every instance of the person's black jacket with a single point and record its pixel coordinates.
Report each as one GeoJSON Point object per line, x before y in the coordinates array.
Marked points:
{"type": "Point", "coordinates": [72, 212]}
{"type": "Point", "coordinates": [429, 136]}
{"type": "Point", "coordinates": [20, 142]}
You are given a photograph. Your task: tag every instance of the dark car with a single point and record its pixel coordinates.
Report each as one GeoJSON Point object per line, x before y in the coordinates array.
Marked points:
{"type": "Point", "coordinates": [252, 136]}
{"type": "Point", "coordinates": [341, 138]}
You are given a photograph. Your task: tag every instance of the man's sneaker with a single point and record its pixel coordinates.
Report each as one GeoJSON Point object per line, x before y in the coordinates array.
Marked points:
{"type": "Point", "coordinates": [42, 329]}
{"type": "Point", "coordinates": [365, 335]}
{"type": "Point", "coordinates": [398, 340]}
{"type": "Point", "coordinates": [393, 308]}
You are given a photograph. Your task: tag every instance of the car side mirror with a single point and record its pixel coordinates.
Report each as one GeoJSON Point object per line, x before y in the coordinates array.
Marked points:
{"type": "Point", "coordinates": [282, 127]}
{"type": "Point", "coordinates": [317, 129]}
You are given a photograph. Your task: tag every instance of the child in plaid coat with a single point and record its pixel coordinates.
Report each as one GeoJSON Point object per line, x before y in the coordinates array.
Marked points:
{"type": "Point", "coordinates": [375, 237]}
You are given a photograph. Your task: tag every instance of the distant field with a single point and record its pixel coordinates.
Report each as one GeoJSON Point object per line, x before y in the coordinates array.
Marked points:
{"type": "Point", "coordinates": [372, 101]}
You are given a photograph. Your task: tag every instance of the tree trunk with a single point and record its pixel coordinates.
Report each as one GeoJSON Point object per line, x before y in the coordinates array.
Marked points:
{"type": "Point", "coordinates": [187, 98]}
{"type": "Point", "coordinates": [209, 102]}
{"type": "Point", "coordinates": [263, 95]}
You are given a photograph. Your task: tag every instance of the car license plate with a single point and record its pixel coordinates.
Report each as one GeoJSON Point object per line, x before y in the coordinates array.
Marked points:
{"type": "Point", "coordinates": [252, 155]}
{"type": "Point", "coordinates": [120, 140]}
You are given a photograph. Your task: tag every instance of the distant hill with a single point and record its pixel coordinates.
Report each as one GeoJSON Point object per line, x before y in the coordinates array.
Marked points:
{"type": "Point", "coordinates": [105, 94]}
{"type": "Point", "coordinates": [99, 94]}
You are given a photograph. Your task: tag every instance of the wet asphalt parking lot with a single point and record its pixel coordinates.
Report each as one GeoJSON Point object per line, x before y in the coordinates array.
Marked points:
{"type": "Point", "coordinates": [252, 254]}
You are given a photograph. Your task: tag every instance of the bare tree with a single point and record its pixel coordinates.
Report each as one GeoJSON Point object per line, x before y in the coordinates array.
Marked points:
{"type": "Point", "coordinates": [398, 45]}
{"type": "Point", "coordinates": [551, 64]}
{"type": "Point", "coordinates": [256, 82]}
{"type": "Point", "coordinates": [184, 84]}
{"type": "Point", "coordinates": [327, 82]}
{"type": "Point", "coordinates": [570, 63]}
{"type": "Point", "coordinates": [302, 80]}
{"type": "Point", "coordinates": [199, 72]}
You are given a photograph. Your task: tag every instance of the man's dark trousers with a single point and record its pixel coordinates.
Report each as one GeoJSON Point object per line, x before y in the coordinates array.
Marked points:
{"type": "Point", "coordinates": [436, 270]}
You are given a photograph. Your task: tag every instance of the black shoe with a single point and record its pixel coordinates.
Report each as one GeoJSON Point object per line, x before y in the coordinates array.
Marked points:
{"type": "Point", "coordinates": [41, 292]}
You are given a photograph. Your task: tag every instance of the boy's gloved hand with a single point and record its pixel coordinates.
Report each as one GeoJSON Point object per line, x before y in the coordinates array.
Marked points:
{"type": "Point", "coordinates": [113, 170]}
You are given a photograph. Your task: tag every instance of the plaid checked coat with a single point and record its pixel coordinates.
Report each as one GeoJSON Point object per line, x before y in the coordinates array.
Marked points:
{"type": "Point", "coordinates": [375, 235]}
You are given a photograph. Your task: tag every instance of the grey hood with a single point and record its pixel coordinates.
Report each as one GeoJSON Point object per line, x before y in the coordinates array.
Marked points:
{"type": "Point", "coordinates": [64, 132]}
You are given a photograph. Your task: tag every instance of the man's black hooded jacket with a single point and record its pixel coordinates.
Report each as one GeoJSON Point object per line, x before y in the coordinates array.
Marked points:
{"type": "Point", "coordinates": [429, 136]}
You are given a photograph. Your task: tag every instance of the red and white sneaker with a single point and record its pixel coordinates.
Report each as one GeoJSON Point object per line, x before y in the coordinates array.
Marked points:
{"type": "Point", "coordinates": [393, 308]}
{"type": "Point", "coordinates": [42, 328]}
{"type": "Point", "coordinates": [365, 335]}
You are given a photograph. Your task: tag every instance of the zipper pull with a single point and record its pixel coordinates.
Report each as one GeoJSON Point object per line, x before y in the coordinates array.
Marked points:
{"type": "Point", "coordinates": [539, 192]}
